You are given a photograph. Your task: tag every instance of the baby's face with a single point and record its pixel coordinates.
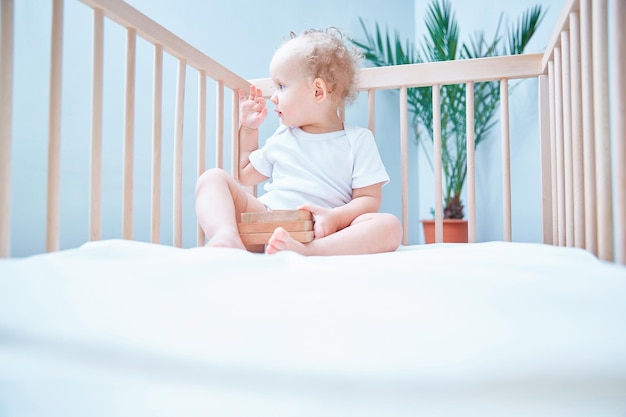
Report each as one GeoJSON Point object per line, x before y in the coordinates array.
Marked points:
{"type": "Point", "coordinates": [294, 92]}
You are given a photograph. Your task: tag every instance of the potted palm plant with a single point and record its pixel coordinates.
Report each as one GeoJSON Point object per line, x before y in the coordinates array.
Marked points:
{"type": "Point", "coordinates": [441, 43]}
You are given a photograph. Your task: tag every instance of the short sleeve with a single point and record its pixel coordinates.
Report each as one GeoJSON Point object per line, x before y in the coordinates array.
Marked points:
{"type": "Point", "coordinates": [368, 166]}
{"type": "Point", "coordinates": [259, 161]}
{"type": "Point", "coordinates": [260, 158]}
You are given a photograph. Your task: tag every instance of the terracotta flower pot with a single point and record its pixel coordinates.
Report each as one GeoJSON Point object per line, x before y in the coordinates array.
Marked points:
{"type": "Point", "coordinates": [454, 230]}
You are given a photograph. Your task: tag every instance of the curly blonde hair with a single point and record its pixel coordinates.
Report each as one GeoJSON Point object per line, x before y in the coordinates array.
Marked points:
{"type": "Point", "coordinates": [329, 57]}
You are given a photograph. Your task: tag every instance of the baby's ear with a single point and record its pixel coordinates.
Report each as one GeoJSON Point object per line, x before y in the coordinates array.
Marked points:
{"type": "Point", "coordinates": [321, 90]}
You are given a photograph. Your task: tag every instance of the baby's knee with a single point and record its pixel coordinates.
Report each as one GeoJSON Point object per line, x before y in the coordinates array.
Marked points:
{"type": "Point", "coordinates": [211, 177]}
{"type": "Point", "coordinates": [393, 229]}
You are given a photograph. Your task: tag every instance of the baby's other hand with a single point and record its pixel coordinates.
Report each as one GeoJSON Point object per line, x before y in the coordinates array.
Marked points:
{"type": "Point", "coordinates": [252, 110]}
{"type": "Point", "coordinates": [324, 221]}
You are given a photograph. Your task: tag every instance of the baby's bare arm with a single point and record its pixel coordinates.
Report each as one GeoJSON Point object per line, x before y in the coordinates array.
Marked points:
{"type": "Point", "coordinates": [252, 112]}
{"type": "Point", "coordinates": [364, 200]}
{"type": "Point", "coordinates": [328, 221]}
{"type": "Point", "coordinates": [248, 142]}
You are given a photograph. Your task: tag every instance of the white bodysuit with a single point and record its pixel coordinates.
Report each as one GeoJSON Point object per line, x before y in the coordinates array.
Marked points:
{"type": "Point", "coordinates": [320, 169]}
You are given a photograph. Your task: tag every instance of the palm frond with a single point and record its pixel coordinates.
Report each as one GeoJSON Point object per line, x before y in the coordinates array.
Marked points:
{"type": "Point", "coordinates": [384, 49]}
{"type": "Point", "coordinates": [443, 32]}
{"type": "Point", "coordinates": [480, 48]}
{"type": "Point", "coordinates": [441, 43]}
{"type": "Point", "coordinates": [524, 29]}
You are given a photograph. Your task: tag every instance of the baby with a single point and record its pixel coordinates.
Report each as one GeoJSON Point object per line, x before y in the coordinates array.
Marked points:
{"type": "Point", "coordinates": [313, 161]}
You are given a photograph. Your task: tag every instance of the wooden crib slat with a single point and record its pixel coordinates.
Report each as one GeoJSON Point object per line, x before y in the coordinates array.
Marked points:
{"type": "Point", "coordinates": [567, 139]}
{"type": "Point", "coordinates": [404, 162]}
{"type": "Point", "coordinates": [576, 129]}
{"type": "Point", "coordinates": [201, 148]}
{"type": "Point", "coordinates": [157, 140]}
{"type": "Point", "coordinates": [54, 129]}
{"type": "Point", "coordinates": [586, 71]}
{"type": "Point", "coordinates": [506, 161]}
{"type": "Point", "coordinates": [371, 111]}
{"type": "Point", "coordinates": [602, 130]}
{"type": "Point", "coordinates": [558, 123]}
{"type": "Point", "coordinates": [129, 134]}
{"type": "Point", "coordinates": [95, 189]}
{"type": "Point", "coordinates": [6, 118]}
{"type": "Point", "coordinates": [545, 149]}
{"type": "Point", "coordinates": [471, 162]}
{"type": "Point", "coordinates": [177, 218]}
{"type": "Point", "coordinates": [219, 124]}
{"type": "Point", "coordinates": [235, 135]}
{"type": "Point", "coordinates": [553, 150]}
{"type": "Point", "coordinates": [437, 154]}
{"type": "Point", "coordinates": [617, 12]}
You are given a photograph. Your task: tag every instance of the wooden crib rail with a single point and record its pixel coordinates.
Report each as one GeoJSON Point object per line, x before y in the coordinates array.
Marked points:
{"type": "Point", "coordinates": [136, 25]}
{"type": "Point", "coordinates": [448, 72]}
{"type": "Point", "coordinates": [129, 17]}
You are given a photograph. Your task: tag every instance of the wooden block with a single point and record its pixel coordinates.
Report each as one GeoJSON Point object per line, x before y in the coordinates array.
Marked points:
{"type": "Point", "coordinates": [276, 216]}
{"type": "Point", "coordinates": [256, 228]}
{"type": "Point", "coordinates": [262, 238]}
{"type": "Point", "coordinates": [268, 227]}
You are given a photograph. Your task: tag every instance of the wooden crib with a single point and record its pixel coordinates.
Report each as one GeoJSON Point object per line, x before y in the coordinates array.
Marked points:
{"type": "Point", "coordinates": [117, 324]}
{"type": "Point", "coordinates": [581, 107]}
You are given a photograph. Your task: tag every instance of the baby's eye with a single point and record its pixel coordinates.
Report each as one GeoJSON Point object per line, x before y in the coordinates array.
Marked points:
{"type": "Point", "coordinates": [280, 86]}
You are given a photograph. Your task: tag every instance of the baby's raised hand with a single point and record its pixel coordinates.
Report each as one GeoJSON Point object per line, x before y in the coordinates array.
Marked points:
{"type": "Point", "coordinates": [252, 110]}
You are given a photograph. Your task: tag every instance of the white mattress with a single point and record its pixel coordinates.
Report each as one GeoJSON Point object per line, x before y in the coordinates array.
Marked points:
{"type": "Point", "coordinates": [120, 328]}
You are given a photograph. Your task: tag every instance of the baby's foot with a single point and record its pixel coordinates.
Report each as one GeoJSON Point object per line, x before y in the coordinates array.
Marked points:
{"type": "Point", "coordinates": [225, 238]}
{"type": "Point", "coordinates": [281, 240]}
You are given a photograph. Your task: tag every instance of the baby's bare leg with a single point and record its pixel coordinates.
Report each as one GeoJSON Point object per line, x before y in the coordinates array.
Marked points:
{"type": "Point", "coordinates": [220, 200]}
{"type": "Point", "coordinates": [368, 233]}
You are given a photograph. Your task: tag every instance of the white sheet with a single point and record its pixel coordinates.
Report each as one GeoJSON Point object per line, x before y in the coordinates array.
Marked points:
{"type": "Point", "coordinates": [490, 329]}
